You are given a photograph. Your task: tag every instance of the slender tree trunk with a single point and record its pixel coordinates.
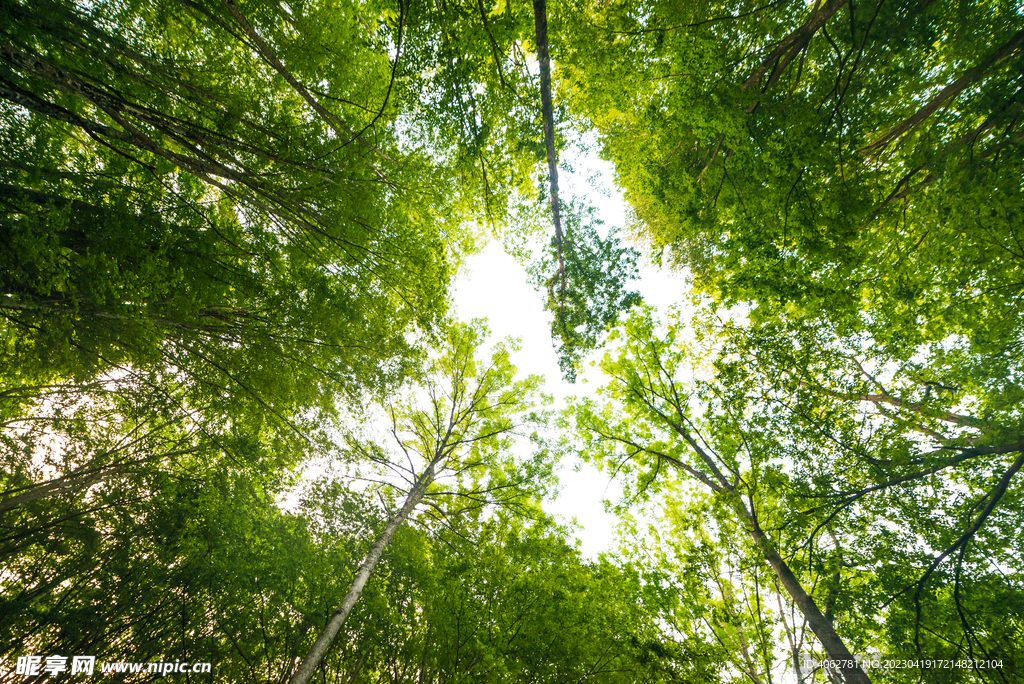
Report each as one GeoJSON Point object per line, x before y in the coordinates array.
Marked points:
{"type": "Point", "coordinates": [80, 479]}
{"type": "Point", "coordinates": [422, 676]}
{"type": "Point", "coordinates": [74, 482]}
{"type": "Point", "coordinates": [790, 637]}
{"type": "Point", "coordinates": [822, 628]}
{"type": "Point", "coordinates": [540, 19]}
{"type": "Point", "coordinates": [363, 657]}
{"type": "Point", "coordinates": [268, 54]}
{"type": "Point", "coordinates": [1009, 50]}
{"type": "Point", "coordinates": [309, 664]}
{"type": "Point", "coordinates": [792, 44]}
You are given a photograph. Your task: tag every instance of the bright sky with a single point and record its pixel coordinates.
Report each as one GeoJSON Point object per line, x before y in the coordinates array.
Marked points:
{"type": "Point", "coordinates": [495, 287]}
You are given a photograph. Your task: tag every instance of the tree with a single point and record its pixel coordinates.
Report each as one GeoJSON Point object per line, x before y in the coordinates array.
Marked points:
{"type": "Point", "coordinates": [199, 245]}
{"type": "Point", "coordinates": [513, 601]}
{"type": "Point", "coordinates": [481, 108]}
{"type": "Point", "coordinates": [847, 175]}
{"type": "Point", "coordinates": [852, 161]}
{"type": "Point", "coordinates": [176, 196]}
{"type": "Point", "coordinates": [653, 420]}
{"type": "Point", "coordinates": [199, 565]}
{"type": "Point", "coordinates": [920, 497]}
{"type": "Point", "coordinates": [813, 469]}
{"type": "Point", "coordinates": [462, 432]}
{"type": "Point", "coordinates": [594, 273]}
{"type": "Point", "coordinates": [713, 586]}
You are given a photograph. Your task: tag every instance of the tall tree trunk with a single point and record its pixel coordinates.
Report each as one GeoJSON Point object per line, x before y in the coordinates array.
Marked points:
{"type": "Point", "coordinates": [540, 20]}
{"type": "Point", "coordinates": [309, 664]}
{"type": "Point", "coordinates": [790, 46]}
{"type": "Point", "coordinates": [790, 637]}
{"type": "Point", "coordinates": [720, 484]}
{"type": "Point", "coordinates": [822, 628]}
{"type": "Point", "coordinates": [78, 481]}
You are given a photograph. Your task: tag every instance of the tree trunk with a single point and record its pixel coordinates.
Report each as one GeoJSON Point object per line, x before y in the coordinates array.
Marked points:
{"type": "Point", "coordinates": [83, 477]}
{"type": "Point", "coordinates": [822, 628]}
{"type": "Point", "coordinates": [540, 19]}
{"type": "Point", "coordinates": [77, 481]}
{"type": "Point", "coordinates": [792, 44]}
{"type": "Point", "coordinates": [323, 642]}
{"type": "Point", "coordinates": [790, 637]}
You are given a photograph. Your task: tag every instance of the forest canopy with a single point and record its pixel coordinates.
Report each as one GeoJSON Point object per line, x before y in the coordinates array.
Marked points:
{"type": "Point", "coordinates": [242, 424]}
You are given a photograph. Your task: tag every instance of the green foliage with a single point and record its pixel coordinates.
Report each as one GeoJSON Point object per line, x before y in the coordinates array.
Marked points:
{"type": "Point", "coordinates": [197, 256]}
{"type": "Point", "coordinates": [468, 425]}
{"type": "Point", "coordinates": [891, 496]}
{"type": "Point", "coordinates": [853, 162]}
{"type": "Point", "coordinates": [212, 570]}
{"type": "Point", "coordinates": [222, 222]}
{"type": "Point", "coordinates": [526, 608]}
{"type": "Point", "coordinates": [842, 180]}
{"type": "Point", "coordinates": [172, 199]}
{"type": "Point", "coordinates": [478, 108]}
{"type": "Point", "coordinates": [586, 298]}
{"type": "Point", "coordinates": [467, 96]}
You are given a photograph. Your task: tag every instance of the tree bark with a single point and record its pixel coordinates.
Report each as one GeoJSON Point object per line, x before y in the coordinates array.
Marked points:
{"type": "Point", "coordinates": [73, 482]}
{"type": "Point", "coordinates": [309, 664]}
{"type": "Point", "coordinates": [268, 54]}
{"type": "Point", "coordinates": [80, 479]}
{"type": "Point", "coordinates": [792, 44]}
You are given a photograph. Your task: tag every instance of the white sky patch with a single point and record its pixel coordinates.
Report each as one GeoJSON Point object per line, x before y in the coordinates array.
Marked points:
{"type": "Point", "coordinates": [495, 287]}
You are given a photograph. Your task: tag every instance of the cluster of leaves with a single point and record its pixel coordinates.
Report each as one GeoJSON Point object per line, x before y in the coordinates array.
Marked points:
{"type": "Point", "coordinates": [220, 222]}
{"type": "Point", "coordinates": [222, 219]}
{"type": "Point", "coordinates": [587, 295]}
{"type": "Point", "coordinates": [172, 198]}
{"type": "Point", "coordinates": [212, 570]}
{"type": "Point", "coordinates": [853, 161]}
{"type": "Point", "coordinates": [893, 507]}
{"type": "Point", "coordinates": [842, 182]}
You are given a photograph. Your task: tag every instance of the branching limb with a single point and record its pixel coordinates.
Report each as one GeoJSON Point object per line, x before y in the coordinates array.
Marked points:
{"type": "Point", "coordinates": [1008, 50]}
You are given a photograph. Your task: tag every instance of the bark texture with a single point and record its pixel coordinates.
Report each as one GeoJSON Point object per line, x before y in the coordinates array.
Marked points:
{"type": "Point", "coordinates": [1009, 50]}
